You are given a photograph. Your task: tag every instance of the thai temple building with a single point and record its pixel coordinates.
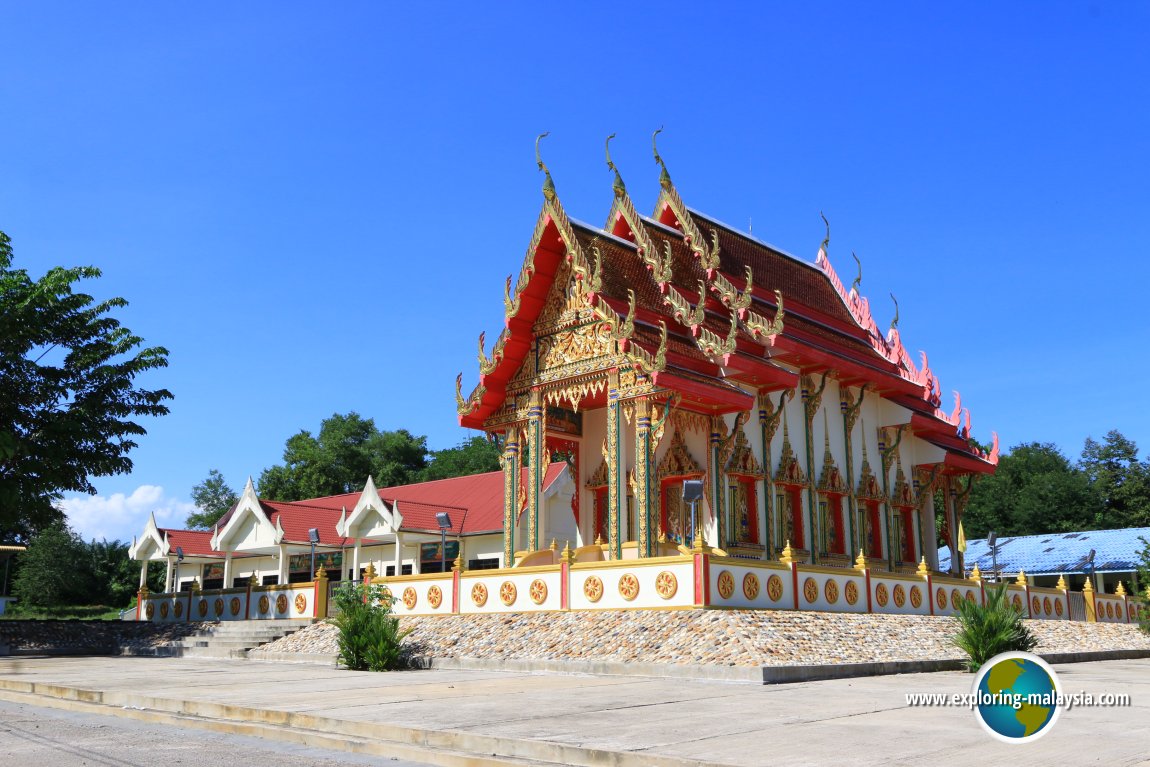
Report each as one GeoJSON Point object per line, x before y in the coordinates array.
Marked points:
{"type": "Point", "coordinates": [669, 347]}
{"type": "Point", "coordinates": [688, 418]}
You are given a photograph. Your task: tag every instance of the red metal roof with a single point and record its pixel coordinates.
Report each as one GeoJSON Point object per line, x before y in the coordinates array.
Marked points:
{"type": "Point", "coordinates": [195, 543]}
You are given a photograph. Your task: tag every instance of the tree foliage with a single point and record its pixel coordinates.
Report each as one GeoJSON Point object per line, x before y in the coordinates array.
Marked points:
{"type": "Point", "coordinates": [67, 370]}
{"type": "Point", "coordinates": [472, 456]}
{"type": "Point", "coordinates": [1121, 479]}
{"type": "Point", "coordinates": [339, 459]}
{"type": "Point", "coordinates": [1036, 489]}
{"type": "Point", "coordinates": [214, 498]}
{"type": "Point", "coordinates": [369, 635]}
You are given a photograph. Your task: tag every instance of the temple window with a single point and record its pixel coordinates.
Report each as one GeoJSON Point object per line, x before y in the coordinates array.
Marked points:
{"type": "Point", "coordinates": [741, 501]}
{"type": "Point", "coordinates": [906, 534]}
{"type": "Point", "coordinates": [789, 511]}
{"type": "Point", "coordinates": [599, 494]}
{"type": "Point", "coordinates": [831, 515]}
{"type": "Point", "coordinates": [874, 530]}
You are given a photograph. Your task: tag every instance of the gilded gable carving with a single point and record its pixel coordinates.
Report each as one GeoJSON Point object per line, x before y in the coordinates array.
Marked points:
{"type": "Point", "coordinates": [678, 461]}
{"type": "Point", "coordinates": [743, 458]}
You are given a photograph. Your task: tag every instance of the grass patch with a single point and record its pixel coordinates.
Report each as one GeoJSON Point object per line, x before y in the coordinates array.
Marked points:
{"type": "Point", "coordinates": [69, 612]}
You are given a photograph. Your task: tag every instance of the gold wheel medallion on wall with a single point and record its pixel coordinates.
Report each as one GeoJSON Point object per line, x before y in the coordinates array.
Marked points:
{"type": "Point", "coordinates": [203, 608]}
{"type": "Point", "coordinates": [265, 603]}
{"type": "Point", "coordinates": [281, 603]}
{"type": "Point", "coordinates": [940, 599]}
{"type": "Point", "coordinates": [593, 588]}
{"type": "Point", "coordinates": [881, 595]}
{"type": "Point", "coordinates": [508, 593]}
{"type": "Point", "coordinates": [300, 603]}
{"type": "Point", "coordinates": [178, 609]}
{"type": "Point", "coordinates": [150, 611]}
{"type": "Point", "coordinates": [955, 598]}
{"type": "Point", "coordinates": [1046, 606]}
{"type": "Point", "coordinates": [234, 607]}
{"type": "Point", "coordinates": [218, 607]}
{"type": "Point", "coordinates": [969, 595]}
{"type": "Point", "coordinates": [479, 594]}
{"type": "Point", "coordinates": [775, 588]}
{"type": "Point", "coordinates": [410, 598]}
{"type": "Point", "coordinates": [1035, 606]}
{"type": "Point", "coordinates": [628, 586]}
{"type": "Point", "coordinates": [750, 586]}
{"type": "Point", "coordinates": [852, 593]}
{"type": "Point", "coordinates": [831, 591]}
{"type": "Point", "coordinates": [915, 597]}
{"type": "Point", "coordinates": [899, 595]}
{"type": "Point", "coordinates": [538, 591]}
{"type": "Point", "coordinates": [1017, 602]}
{"type": "Point", "coordinates": [726, 583]}
{"type": "Point", "coordinates": [666, 584]}
{"type": "Point", "coordinates": [164, 609]}
{"type": "Point", "coordinates": [1058, 608]}
{"type": "Point", "coordinates": [435, 597]}
{"type": "Point", "coordinates": [810, 590]}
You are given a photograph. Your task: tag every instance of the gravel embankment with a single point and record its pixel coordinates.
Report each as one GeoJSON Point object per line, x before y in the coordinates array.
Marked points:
{"type": "Point", "coordinates": [79, 637]}
{"type": "Point", "coordinates": [704, 637]}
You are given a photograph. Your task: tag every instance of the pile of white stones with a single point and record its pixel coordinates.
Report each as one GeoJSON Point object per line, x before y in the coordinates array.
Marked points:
{"type": "Point", "coordinates": [706, 637]}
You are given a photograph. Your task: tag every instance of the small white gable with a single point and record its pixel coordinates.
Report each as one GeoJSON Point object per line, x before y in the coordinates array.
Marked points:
{"type": "Point", "coordinates": [248, 528]}
{"type": "Point", "coordinates": [152, 544]}
{"type": "Point", "coordinates": [372, 517]}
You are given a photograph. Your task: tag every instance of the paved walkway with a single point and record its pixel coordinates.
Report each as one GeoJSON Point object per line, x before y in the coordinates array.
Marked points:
{"type": "Point", "coordinates": [541, 718]}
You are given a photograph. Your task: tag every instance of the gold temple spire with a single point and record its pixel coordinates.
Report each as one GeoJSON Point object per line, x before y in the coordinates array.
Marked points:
{"type": "Point", "coordinates": [548, 184]}
{"type": "Point", "coordinates": [664, 176]}
{"type": "Point", "coordinates": [619, 187]}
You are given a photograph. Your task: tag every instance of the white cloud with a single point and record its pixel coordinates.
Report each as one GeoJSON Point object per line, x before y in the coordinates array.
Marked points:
{"type": "Point", "coordinates": [119, 516]}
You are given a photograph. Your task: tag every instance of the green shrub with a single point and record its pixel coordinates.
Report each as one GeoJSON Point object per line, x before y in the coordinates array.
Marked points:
{"type": "Point", "coordinates": [984, 632]}
{"type": "Point", "coordinates": [1144, 611]}
{"type": "Point", "coordinates": [369, 635]}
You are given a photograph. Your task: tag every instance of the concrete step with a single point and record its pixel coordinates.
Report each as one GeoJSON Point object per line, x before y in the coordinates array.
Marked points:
{"type": "Point", "coordinates": [222, 640]}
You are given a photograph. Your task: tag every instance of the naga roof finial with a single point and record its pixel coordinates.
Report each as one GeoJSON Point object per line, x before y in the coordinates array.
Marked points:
{"type": "Point", "coordinates": [858, 280]}
{"type": "Point", "coordinates": [664, 176]}
{"type": "Point", "coordinates": [894, 322]}
{"type": "Point", "coordinates": [619, 187]}
{"type": "Point", "coordinates": [548, 184]}
{"type": "Point", "coordinates": [826, 240]}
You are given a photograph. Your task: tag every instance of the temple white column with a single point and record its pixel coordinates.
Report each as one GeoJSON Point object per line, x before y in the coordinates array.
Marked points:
{"type": "Point", "coordinates": [168, 577]}
{"type": "Point", "coordinates": [398, 553]}
{"type": "Point", "coordinates": [355, 561]}
{"type": "Point", "coordinates": [283, 572]}
{"type": "Point", "coordinates": [227, 570]}
{"type": "Point", "coordinates": [143, 573]}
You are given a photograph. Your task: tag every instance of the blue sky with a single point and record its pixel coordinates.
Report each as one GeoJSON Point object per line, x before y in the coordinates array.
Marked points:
{"type": "Point", "coordinates": [314, 207]}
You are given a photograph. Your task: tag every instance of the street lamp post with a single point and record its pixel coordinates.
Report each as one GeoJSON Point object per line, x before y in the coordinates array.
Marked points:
{"type": "Point", "coordinates": [692, 492]}
{"type": "Point", "coordinates": [313, 536]}
{"type": "Point", "coordinates": [443, 519]}
{"type": "Point", "coordinates": [992, 541]}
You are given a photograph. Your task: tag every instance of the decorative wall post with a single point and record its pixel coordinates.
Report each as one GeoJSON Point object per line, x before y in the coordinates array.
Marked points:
{"type": "Point", "coordinates": [319, 598]}
{"type": "Point", "coordinates": [924, 573]}
{"type": "Point", "coordinates": [1061, 586]}
{"type": "Point", "coordinates": [862, 566]}
{"type": "Point", "coordinates": [536, 464]}
{"type": "Point", "coordinates": [812, 400]}
{"type": "Point", "coordinates": [456, 574]}
{"type": "Point", "coordinates": [511, 475]}
{"type": "Point", "coordinates": [1025, 584]}
{"type": "Point", "coordinates": [141, 598]}
{"type": "Point", "coordinates": [1121, 591]}
{"type": "Point", "coordinates": [617, 477]}
{"type": "Point", "coordinates": [1088, 598]}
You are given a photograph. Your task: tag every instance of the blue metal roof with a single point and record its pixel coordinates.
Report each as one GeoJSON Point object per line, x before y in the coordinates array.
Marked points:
{"type": "Point", "coordinates": [1114, 551]}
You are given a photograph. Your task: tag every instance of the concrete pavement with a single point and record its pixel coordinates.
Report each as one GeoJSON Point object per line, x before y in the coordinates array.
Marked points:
{"type": "Point", "coordinates": [443, 716]}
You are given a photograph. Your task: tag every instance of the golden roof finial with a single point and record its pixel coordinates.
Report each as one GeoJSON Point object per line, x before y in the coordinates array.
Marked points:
{"type": "Point", "coordinates": [457, 565]}
{"type": "Point", "coordinates": [1121, 590]}
{"type": "Point", "coordinates": [894, 322]}
{"type": "Point", "coordinates": [825, 247]}
{"type": "Point", "coordinates": [976, 574]}
{"type": "Point", "coordinates": [598, 539]}
{"type": "Point", "coordinates": [370, 571]}
{"type": "Point", "coordinates": [858, 280]}
{"type": "Point", "coordinates": [619, 187]}
{"type": "Point", "coordinates": [554, 545]}
{"type": "Point", "coordinates": [1021, 580]}
{"type": "Point", "coordinates": [567, 555]}
{"type": "Point", "coordinates": [697, 545]}
{"type": "Point", "coordinates": [664, 176]}
{"type": "Point", "coordinates": [254, 580]}
{"type": "Point", "coordinates": [548, 184]}
{"type": "Point", "coordinates": [1061, 583]}
{"type": "Point", "coordinates": [788, 555]}
{"type": "Point", "coordinates": [923, 570]}
{"type": "Point", "coordinates": [1088, 586]}
{"type": "Point", "coordinates": [321, 573]}
{"type": "Point", "coordinates": [860, 561]}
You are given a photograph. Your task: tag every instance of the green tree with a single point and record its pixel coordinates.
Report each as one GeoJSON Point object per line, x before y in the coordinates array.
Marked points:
{"type": "Point", "coordinates": [984, 632]}
{"type": "Point", "coordinates": [69, 406]}
{"type": "Point", "coordinates": [54, 571]}
{"type": "Point", "coordinates": [114, 577]}
{"type": "Point", "coordinates": [214, 498]}
{"type": "Point", "coordinates": [369, 635]}
{"type": "Point", "coordinates": [472, 456]}
{"type": "Point", "coordinates": [339, 459]}
{"type": "Point", "coordinates": [1120, 478]}
{"type": "Point", "coordinates": [1035, 490]}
